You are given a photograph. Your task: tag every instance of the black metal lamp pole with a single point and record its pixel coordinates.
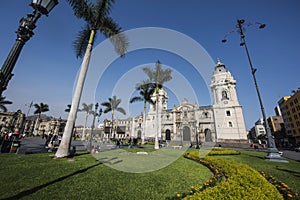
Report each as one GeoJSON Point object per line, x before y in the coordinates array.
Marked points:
{"type": "Point", "coordinates": [273, 154]}
{"type": "Point", "coordinates": [24, 33]}
{"type": "Point", "coordinates": [197, 139]}
{"type": "Point", "coordinates": [95, 114]}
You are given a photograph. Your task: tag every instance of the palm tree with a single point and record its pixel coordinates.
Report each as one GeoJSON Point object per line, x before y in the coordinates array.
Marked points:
{"type": "Point", "coordinates": [112, 105]}
{"type": "Point", "coordinates": [88, 109]}
{"type": "Point", "coordinates": [158, 76]}
{"type": "Point", "coordinates": [39, 109]}
{"type": "Point", "coordinates": [3, 102]}
{"type": "Point", "coordinates": [68, 109]}
{"type": "Point", "coordinates": [146, 89]}
{"type": "Point", "coordinates": [96, 17]}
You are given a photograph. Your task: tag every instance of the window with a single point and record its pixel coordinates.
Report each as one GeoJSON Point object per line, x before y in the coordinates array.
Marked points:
{"type": "Point", "coordinates": [228, 113]}
{"type": "Point", "coordinates": [205, 114]}
{"type": "Point", "coordinates": [230, 124]}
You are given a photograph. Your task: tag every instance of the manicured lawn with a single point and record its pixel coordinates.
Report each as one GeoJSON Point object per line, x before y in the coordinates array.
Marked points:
{"type": "Point", "coordinates": [37, 176]}
{"type": "Point", "coordinates": [286, 172]}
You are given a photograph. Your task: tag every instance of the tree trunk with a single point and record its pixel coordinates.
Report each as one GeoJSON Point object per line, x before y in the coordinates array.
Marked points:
{"type": "Point", "coordinates": [144, 126]}
{"type": "Point", "coordinates": [156, 145]}
{"type": "Point", "coordinates": [112, 124]}
{"type": "Point", "coordinates": [36, 125]}
{"type": "Point", "coordinates": [64, 147]}
{"type": "Point", "coordinates": [83, 131]}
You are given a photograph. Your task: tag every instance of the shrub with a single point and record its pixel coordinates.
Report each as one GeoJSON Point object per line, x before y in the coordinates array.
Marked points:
{"type": "Point", "coordinates": [221, 151]}
{"type": "Point", "coordinates": [282, 187]}
{"type": "Point", "coordinates": [231, 180]}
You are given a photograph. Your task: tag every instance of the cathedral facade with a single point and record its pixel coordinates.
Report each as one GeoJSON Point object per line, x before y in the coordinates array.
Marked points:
{"type": "Point", "coordinates": [221, 122]}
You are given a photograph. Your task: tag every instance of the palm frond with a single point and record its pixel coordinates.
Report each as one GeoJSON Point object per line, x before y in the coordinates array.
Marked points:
{"type": "Point", "coordinates": [81, 41]}
{"type": "Point", "coordinates": [41, 108]}
{"type": "Point", "coordinates": [111, 30]}
{"type": "Point", "coordinates": [82, 9]}
{"type": "Point", "coordinates": [3, 108]}
{"type": "Point", "coordinates": [136, 99]}
{"type": "Point", "coordinates": [103, 8]}
{"type": "Point", "coordinates": [150, 73]}
{"type": "Point", "coordinates": [121, 110]}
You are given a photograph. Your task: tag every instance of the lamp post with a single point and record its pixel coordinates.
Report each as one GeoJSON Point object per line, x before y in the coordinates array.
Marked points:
{"type": "Point", "coordinates": [197, 138]}
{"type": "Point", "coordinates": [95, 114]}
{"type": "Point", "coordinates": [24, 33]}
{"type": "Point", "coordinates": [273, 154]}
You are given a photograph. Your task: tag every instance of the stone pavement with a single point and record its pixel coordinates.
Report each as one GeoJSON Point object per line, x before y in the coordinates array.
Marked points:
{"type": "Point", "coordinates": [37, 145]}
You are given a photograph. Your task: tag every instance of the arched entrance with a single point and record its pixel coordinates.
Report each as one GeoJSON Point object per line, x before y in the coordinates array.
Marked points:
{"type": "Point", "coordinates": [186, 134]}
{"type": "Point", "coordinates": [208, 136]}
{"type": "Point", "coordinates": [168, 134]}
{"type": "Point", "coordinates": [139, 134]}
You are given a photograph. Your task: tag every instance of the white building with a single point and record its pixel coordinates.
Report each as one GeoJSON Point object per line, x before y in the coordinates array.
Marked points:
{"type": "Point", "coordinates": [221, 122]}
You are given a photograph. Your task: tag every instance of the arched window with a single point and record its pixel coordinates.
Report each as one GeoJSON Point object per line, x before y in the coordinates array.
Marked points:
{"type": "Point", "coordinates": [228, 113]}
{"type": "Point", "coordinates": [230, 124]}
{"type": "Point", "coordinates": [205, 114]}
{"type": "Point", "coordinates": [224, 95]}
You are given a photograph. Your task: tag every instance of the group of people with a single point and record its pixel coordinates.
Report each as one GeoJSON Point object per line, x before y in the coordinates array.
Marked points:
{"type": "Point", "coordinates": [51, 140]}
{"type": "Point", "coordinates": [11, 136]}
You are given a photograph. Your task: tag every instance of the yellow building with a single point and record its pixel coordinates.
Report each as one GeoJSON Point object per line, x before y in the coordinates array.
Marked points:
{"type": "Point", "coordinates": [290, 108]}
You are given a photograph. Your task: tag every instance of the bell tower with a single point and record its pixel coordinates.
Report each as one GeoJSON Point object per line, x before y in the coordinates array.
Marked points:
{"type": "Point", "coordinates": [229, 119]}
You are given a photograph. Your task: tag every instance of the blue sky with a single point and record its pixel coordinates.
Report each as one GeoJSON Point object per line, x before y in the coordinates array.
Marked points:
{"type": "Point", "coordinates": [47, 67]}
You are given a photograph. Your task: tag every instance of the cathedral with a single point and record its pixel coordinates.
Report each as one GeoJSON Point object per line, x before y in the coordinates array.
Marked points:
{"type": "Point", "coordinates": [187, 122]}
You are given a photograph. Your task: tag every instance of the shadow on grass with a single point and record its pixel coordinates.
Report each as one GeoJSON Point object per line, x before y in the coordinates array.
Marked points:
{"type": "Point", "coordinates": [260, 157]}
{"type": "Point", "coordinates": [109, 161]}
{"type": "Point", "coordinates": [294, 173]}
{"type": "Point", "coordinates": [80, 154]}
{"type": "Point", "coordinates": [37, 188]}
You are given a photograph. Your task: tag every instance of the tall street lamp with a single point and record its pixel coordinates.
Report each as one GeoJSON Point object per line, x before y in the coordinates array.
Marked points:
{"type": "Point", "coordinates": [273, 154]}
{"type": "Point", "coordinates": [95, 114]}
{"type": "Point", "coordinates": [24, 33]}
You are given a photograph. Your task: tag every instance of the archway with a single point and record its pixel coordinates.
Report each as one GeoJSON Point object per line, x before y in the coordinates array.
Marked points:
{"type": "Point", "coordinates": [186, 134]}
{"type": "Point", "coordinates": [208, 136]}
{"type": "Point", "coordinates": [168, 134]}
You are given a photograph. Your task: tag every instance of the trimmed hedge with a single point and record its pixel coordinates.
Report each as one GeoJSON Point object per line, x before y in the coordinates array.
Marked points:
{"type": "Point", "coordinates": [240, 182]}
{"type": "Point", "coordinates": [221, 151]}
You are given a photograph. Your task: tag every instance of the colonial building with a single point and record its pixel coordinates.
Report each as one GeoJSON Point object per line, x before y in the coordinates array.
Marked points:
{"type": "Point", "coordinates": [221, 122]}
{"type": "Point", "coordinates": [17, 122]}
{"type": "Point", "coordinates": [12, 121]}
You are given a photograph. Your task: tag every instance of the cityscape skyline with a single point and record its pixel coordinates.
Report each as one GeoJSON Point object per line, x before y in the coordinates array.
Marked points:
{"type": "Point", "coordinates": [47, 67]}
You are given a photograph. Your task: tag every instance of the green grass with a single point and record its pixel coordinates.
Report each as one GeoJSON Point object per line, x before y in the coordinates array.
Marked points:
{"type": "Point", "coordinates": [286, 172]}
{"type": "Point", "coordinates": [37, 176]}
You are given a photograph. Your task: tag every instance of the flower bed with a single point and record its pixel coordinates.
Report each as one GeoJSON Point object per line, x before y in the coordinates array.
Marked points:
{"type": "Point", "coordinates": [282, 187]}
{"type": "Point", "coordinates": [231, 180]}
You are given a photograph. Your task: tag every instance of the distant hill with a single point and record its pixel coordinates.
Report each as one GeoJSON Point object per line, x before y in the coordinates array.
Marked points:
{"type": "Point", "coordinates": [43, 117]}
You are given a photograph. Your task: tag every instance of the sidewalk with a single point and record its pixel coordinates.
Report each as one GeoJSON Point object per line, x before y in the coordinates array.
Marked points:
{"type": "Point", "coordinates": [37, 145]}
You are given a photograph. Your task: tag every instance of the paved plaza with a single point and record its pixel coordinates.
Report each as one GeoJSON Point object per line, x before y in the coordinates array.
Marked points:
{"type": "Point", "coordinates": [37, 145]}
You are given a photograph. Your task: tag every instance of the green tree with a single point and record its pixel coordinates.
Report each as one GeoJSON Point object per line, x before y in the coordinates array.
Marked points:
{"type": "Point", "coordinates": [96, 16]}
{"type": "Point", "coordinates": [4, 102]}
{"type": "Point", "coordinates": [158, 76]}
{"type": "Point", "coordinates": [112, 105]}
{"type": "Point", "coordinates": [88, 109]}
{"type": "Point", "coordinates": [39, 109]}
{"type": "Point", "coordinates": [146, 89]}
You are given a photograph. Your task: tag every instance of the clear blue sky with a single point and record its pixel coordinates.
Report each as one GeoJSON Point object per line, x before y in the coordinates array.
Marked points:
{"type": "Point", "coordinates": [47, 68]}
